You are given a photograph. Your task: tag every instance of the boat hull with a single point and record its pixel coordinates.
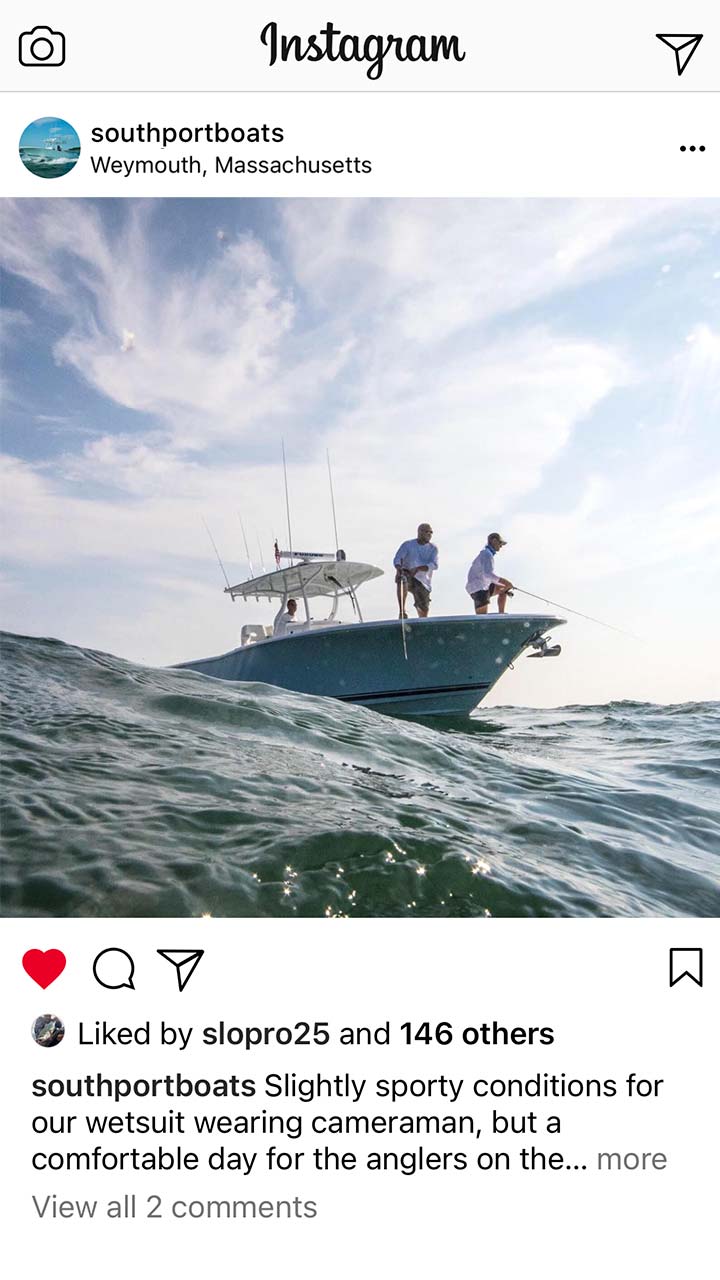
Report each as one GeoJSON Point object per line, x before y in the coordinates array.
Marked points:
{"type": "Point", "coordinates": [439, 666]}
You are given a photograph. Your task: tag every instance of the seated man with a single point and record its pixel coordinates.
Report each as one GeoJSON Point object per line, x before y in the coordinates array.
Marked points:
{"type": "Point", "coordinates": [285, 617]}
{"type": "Point", "coordinates": [483, 582]}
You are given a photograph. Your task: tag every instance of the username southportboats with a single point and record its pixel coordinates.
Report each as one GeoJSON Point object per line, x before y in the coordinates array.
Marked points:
{"type": "Point", "coordinates": [420, 667]}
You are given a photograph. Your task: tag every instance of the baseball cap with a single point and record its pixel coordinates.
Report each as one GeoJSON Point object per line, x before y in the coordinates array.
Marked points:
{"type": "Point", "coordinates": [501, 540]}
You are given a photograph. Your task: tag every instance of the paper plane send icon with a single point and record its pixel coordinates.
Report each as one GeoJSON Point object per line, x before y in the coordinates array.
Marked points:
{"type": "Point", "coordinates": [186, 962]}
{"type": "Point", "coordinates": [683, 47]}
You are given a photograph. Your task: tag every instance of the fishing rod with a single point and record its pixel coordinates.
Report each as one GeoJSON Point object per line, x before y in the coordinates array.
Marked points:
{"type": "Point", "coordinates": [247, 549]}
{"type": "Point", "coordinates": [262, 558]}
{"type": "Point", "coordinates": [577, 613]}
{"type": "Point", "coordinates": [217, 553]}
{"type": "Point", "coordinates": [404, 638]}
{"type": "Point", "coordinates": [402, 597]}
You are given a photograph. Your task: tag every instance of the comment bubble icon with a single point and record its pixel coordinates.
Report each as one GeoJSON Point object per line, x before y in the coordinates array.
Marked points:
{"type": "Point", "coordinates": [114, 968]}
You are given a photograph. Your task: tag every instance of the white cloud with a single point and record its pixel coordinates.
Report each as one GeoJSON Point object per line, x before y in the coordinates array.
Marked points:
{"type": "Point", "coordinates": [452, 443]}
{"type": "Point", "coordinates": [206, 347]}
{"type": "Point", "coordinates": [427, 268]}
{"type": "Point", "coordinates": [229, 350]}
{"type": "Point", "coordinates": [696, 375]}
{"type": "Point", "coordinates": [13, 324]}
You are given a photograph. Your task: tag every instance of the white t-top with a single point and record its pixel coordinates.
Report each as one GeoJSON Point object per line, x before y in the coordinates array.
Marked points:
{"type": "Point", "coordinates": [482, 572]}
{"type": "Point", "coordinates": [412, 553]}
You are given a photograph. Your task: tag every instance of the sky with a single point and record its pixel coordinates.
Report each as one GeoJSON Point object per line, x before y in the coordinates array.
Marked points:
{"type": "Point", "coordinates": [49, 129]}
{"type": "Point", "coordinates": [546, 368]}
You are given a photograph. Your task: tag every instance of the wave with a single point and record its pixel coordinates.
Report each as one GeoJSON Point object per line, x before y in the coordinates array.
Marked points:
{"type": "Point", "coordinates": [129, 790]}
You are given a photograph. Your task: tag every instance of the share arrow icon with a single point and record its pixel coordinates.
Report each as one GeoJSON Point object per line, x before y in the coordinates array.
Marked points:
{"type": "Point", "coordinates": [683, 47]}
{"type": "Point", "coordinates": [186, 962]}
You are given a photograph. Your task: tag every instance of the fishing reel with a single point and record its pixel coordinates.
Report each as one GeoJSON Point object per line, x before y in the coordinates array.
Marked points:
{"type": "Point", "coordinates": [543, 649]}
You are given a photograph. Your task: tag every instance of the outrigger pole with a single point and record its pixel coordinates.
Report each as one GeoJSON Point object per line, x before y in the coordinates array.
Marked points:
{"type": "Point", "coordinates": [217, 553]}
{"type": "Point", "coordinates": [247, 549]}
{"type": "Point", "coordinates": [287, 505]}
{"type": "Point", "coordinates": [262, 558]}
{"type": "Point", "coordinates": [332, 500]}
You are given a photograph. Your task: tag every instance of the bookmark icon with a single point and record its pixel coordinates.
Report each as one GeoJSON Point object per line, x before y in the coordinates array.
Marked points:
{"type": "Point", "coordinates": [686, 962]}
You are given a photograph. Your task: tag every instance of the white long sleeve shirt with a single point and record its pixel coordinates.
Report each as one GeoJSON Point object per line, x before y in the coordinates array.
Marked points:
{"type": "Point", "coordinates": [412, 553]}
{"type": "Point", "coordinates": [282, 621]}
{"type": "Point", "coordinates": [481, 573]}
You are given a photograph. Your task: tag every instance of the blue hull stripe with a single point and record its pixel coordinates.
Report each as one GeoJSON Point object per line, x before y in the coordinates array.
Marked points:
{"type": "Point", "coordinates": [411, 693]}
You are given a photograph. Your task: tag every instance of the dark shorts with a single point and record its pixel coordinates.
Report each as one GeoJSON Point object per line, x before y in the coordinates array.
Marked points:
{"type": "Point", "coordinates": [419, 593]}
{"type": "Point", "coordinates": [483, 597]}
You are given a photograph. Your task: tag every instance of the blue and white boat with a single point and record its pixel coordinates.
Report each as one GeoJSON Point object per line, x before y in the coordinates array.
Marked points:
{"type": "Point", "coordinates": [419, 667]}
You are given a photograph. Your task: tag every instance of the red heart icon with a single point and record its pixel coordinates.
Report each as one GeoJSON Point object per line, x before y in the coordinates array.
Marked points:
{"type": "Point", "coordinates": [44, 966]}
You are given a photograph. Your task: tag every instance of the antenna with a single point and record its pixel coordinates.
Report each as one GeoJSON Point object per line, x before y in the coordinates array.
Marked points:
{"type": "Point", "coordinates": [332, 500]}
{"type": "Point", "coordinates": [247, 549]}
{"type": "Point", "coordinates": [287, 505]}
{"type": "Point", "coordinates": [217, 553]}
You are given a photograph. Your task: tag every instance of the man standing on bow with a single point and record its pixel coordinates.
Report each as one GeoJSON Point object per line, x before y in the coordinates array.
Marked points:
{"type": "Point", "coordinates": [415, 562]}
{"type": "Point", "coordinates": [483, 582]}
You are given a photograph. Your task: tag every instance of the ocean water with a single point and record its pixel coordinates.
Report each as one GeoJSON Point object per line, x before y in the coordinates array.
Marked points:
{"type": "Point", "coordinates": [49, 164]}
{"type": "Point", "coordinates": [128, 790]}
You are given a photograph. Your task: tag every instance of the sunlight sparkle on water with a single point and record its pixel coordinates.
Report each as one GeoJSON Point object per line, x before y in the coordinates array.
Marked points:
{"type": "Point", "coordinates": [290, 876]}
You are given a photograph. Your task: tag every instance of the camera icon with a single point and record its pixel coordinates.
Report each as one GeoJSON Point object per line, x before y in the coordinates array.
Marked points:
{"type": "Point", "coordinates": [42, 47]}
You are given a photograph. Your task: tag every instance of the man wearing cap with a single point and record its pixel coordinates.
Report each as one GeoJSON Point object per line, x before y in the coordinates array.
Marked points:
{"type": "Point", "coordinates": [415, 562]}
{"type": "Point", "coordinates": [483, 582]}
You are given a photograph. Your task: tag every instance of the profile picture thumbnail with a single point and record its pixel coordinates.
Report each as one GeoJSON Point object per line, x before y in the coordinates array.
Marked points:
{"type": "Point", "coordinates": [49, 147]}
{"type": "Point", "coordinates": [48, 1030]}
